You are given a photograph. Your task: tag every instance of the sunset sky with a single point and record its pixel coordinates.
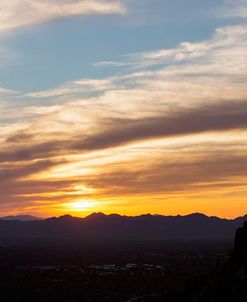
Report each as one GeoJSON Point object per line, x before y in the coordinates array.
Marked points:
{"type": "Point", "coordinates": [123, 106]}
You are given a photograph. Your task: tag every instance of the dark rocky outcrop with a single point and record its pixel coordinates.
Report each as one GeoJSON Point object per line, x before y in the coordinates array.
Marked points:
{"type": "Point", "coordinates": [240, 246]}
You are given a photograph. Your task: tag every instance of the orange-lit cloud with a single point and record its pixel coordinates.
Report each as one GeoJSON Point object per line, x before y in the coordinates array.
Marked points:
{"type": "Point", "coordinates": [18, 13]}
{"type": "Point", "coordinates": [169, 139]}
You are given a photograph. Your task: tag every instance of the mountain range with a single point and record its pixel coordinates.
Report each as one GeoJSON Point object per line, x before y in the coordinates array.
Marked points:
{"type": "Point", "coordinates": [99, 226]}
{"type": "Point", "coordinates": [20, 218]}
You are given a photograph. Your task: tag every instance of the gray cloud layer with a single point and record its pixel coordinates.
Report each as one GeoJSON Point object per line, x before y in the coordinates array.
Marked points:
{"type": "Point", "coordinates": [117, 132]}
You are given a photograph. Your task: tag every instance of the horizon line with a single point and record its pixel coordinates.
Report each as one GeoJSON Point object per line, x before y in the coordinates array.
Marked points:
{"type": "Point", "coordinates": [122, 215]}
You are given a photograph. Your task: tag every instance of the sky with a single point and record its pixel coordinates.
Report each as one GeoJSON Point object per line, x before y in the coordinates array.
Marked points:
{"type": "Point", "coordinates": [123, 106]}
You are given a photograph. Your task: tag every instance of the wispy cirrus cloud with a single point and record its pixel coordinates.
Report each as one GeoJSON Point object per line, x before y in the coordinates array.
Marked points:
{"type": "Point", "coordinates": [18, 13]}
{"type": "Point", "coordinates": [5, 91]}
{"type": "Point", "coordinates": [229, 41]}
{"type": "Point", "coordinates": [80, 87]}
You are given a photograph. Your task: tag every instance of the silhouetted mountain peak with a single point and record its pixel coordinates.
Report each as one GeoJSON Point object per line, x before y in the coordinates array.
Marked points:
{"type": "Point", "coordinates": [66, 217]}
{"type": "Point", "coordinates": [146, 216]}
{"type": "Point", "coordinates": [197, 215]}
{"type": "Point", "coordinates": [96, 216]}
{"type": "Point", "coordinates": [242, 218]}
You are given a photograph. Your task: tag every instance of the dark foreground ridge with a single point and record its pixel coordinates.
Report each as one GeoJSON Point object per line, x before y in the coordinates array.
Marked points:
{"type": "Point", "coordinates": [126, 272]}
{"type": "Point", "coordinates": [99, 226]}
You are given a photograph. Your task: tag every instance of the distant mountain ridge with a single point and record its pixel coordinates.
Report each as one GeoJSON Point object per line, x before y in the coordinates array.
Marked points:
{"type": "Point", "coordinates": [21, 218]}
{"type": "Point", "coordinates": [99, 226]}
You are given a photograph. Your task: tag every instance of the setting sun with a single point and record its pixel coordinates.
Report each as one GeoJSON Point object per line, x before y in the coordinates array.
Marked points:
{"type": "Point", "coordinates": [82, 205]}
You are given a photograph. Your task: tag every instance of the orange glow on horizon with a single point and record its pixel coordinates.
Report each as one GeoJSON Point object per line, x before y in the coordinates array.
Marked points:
{"type": "Point", "coordinates": [82, 205]}
{"type": "Point", "coordinates": [220, 206]}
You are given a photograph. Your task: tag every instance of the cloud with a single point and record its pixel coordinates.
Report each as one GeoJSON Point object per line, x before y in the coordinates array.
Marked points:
{"type": "Point", "coordinates": [218, 117]}
{"type": "Point", "coordinates": [189, 173]}
{"type": "Point", "coordinates": [211, 55]}
{"type": "Point", "coordinates": [173, 121]}
{"type": "Point", "coordinates": [82, 86]}
{"type": "Point", "coordinates": [18, 171]}
{"type": "Point", "coordinates": [117, 132]}
{"type": "Point", "coordinates": [220, 60]}
{"type": "Point", "coordinates": [184, 169]}
{"type": "Point", "coordinates": [6, 91]}
{"type": "Point", "coordinates": [176, 100]}
{"type": "Point", "coordinates": [18, 13]}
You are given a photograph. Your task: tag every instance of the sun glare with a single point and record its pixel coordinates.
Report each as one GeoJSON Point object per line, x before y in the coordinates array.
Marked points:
{"type": "Point", "coordinates": [82, 205]}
